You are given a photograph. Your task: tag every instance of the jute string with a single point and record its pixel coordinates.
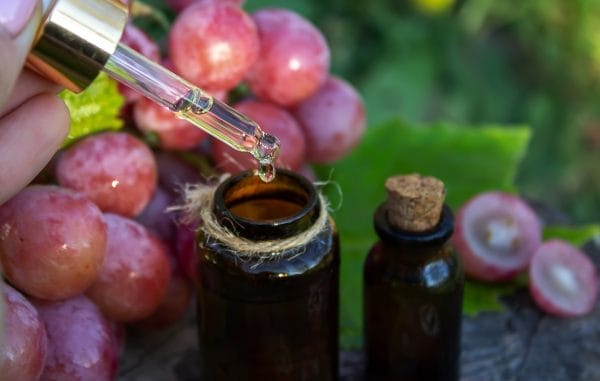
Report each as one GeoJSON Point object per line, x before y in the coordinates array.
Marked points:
{"type": "Point", "coordinates": [198, 202]}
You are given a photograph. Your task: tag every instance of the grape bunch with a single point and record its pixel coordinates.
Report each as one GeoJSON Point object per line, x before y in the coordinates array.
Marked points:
{"type": "Point", "coordinates": [90, 249]}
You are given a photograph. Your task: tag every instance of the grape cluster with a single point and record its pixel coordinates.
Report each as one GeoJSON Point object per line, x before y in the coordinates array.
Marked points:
{"type": "Point", "coordinates": [90, 247]}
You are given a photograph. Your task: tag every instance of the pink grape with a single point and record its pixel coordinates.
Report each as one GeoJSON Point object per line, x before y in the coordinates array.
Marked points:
{"type": "Point", "coordinates": [185, 249]}
{"type": "Point", "coordinates": [562, 280]}
{"type": "Point", "coordinates": [119, 335]}
{"type": "Point", "coordinates": [174, 173]}
{"type": "Point", "coordinates": [135, 275]}
{"type": "Point", "coordinates": [333, 121]}
{"type": "Point", "coordinates": [273, 120]}
{"type": "Point", "coordinates": [307, 171]}
{"type": "Point", "coordinates": [24, 344]}
{"type": "Point", "coordinates": [294, 57]}
{"type": "Point", "coordinates": [173, 133]}
{"type": "Point", "coordinates": [139, 41]}
{"type": "Point", "coordinates": [174, 304]}
{"type": "Point", "coordinates": [113, 169]}
{"type": "Point", "coordinates": [219, 94]}
{"type": "Point", "coordinates": [213, 44]}
{"type": "Point", "coordinates": [80, 341]}
{"type": "Point", "coordinates": [180, 5]}
{"type": "Point", "coordinates": [496, 235]}
{"type": "Point", "coordinates": [156, 218]}
{"type": "Point", "coordinates": [52, 241]}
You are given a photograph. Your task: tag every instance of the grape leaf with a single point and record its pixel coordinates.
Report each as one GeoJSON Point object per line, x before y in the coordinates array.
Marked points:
{"type": "Point", "coordinates": [480, 296]}
{"type": "Point", "coordinates": [576, 235]}
{"type": "Point", "coordinates": [94, 109]}
{"type": "Point", "coordinates": [468, 160]}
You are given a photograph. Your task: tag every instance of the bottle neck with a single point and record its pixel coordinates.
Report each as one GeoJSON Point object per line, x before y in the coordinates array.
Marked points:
{"type": "Point", "coordinates": [437, 236]}
{"type": "Point", "coordinates": [260, 211]}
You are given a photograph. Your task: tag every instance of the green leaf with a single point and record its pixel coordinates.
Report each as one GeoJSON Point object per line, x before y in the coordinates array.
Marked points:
{"type": "Point", "coordinates": [468, 160]}
{"type": "Point", "coordinates": [94, 109]}
{"type": "Point", "coordinates": [479, 296]}
{"type": "Point", "coordinates": [576, 235]}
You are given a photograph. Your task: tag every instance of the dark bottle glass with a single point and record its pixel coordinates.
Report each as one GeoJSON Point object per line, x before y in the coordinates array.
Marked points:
{"type": "Point", "coordinates": [269, 319]}
{"type": "Point", "coordinates": [413, 285]}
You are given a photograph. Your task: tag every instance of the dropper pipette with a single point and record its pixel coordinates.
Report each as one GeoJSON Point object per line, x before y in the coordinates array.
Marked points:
{"type": "Point", "coordinates": [80, 38]}
{"type": "Point", "coordinates": [191, 103]}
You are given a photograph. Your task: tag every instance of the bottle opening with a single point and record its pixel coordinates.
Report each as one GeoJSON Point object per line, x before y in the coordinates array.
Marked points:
{"type": "Point", "coordinates": [257, 210]}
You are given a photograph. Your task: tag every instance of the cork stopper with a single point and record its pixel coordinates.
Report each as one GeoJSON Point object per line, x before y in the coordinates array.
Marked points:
{"type": "Point", "coordinates": [414, 202]}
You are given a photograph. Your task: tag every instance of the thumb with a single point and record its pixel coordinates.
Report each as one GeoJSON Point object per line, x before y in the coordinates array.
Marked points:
{"type": "Point", "coordinates": [19, 21]}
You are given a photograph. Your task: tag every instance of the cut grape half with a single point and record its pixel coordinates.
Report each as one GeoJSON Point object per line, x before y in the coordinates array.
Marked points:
{"type": "Point", "coordinates": [563, 280]}
{"type": "Point", "coordinates": [496, 235]}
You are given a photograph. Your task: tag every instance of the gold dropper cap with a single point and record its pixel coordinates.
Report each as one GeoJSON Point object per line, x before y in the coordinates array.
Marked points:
{"type": "Point", "coordinates": [75, 40]}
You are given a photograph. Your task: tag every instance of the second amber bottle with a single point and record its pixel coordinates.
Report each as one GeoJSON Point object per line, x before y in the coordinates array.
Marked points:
{"type": "Point", "coordinates": [413, 285]}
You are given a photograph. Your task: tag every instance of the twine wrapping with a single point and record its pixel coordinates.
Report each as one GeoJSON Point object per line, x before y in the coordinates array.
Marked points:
{"type": "Point", "coordinates": [199, 202]}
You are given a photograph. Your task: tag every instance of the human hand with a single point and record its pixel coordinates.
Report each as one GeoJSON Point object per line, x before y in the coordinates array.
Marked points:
{"type": "Point", "coordinates": [33, 120]}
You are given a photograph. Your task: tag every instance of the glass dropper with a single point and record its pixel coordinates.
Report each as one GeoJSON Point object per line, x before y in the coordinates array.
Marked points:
{"type": "Point", "coordinates": [194, 105]}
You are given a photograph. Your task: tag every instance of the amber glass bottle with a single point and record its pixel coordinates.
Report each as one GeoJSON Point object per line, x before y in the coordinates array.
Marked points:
{"type": "Point", "coordinates": [263, 316]}
{"type": "Point", "coordinates": [413, 284]}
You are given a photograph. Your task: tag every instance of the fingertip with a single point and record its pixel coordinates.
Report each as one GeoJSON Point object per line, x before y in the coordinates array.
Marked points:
{"type": "Point", "coordinates": [29, 136]}
{"type": "Point", "coordinates": [58, 115]}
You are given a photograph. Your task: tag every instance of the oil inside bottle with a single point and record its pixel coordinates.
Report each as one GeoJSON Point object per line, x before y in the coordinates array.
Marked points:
{"type": "Point", "coordinates": [231, 127]}
{"type": "Point", "coordinates": [266, 209]}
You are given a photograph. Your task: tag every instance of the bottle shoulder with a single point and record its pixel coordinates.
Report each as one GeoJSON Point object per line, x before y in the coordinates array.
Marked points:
{"type": "Point", "coordinates": [431, 267]}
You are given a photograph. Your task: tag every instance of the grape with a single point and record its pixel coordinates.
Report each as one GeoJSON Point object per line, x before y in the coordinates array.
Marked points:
{"type": "Point", "coordinates": [180, 5]}
{"type": "Point", "coordinates": [24, 345]}
{"type": "Point", "coordinates": [113, 169]}
{"type": "Point", "coordinates": [294, 57]}
{"type": "Point", "coordinates": [134, 277]}
{"type": "Point", "coordinates": [80, 341]}
{"type": "Point", "coordinates": [156, 218]}
{"type": "Point", "coordinates": [139, 41]}
{"type": "Point", "coordinates": [52, 241]}
{"type": "Point", "coordinates": [173, 305]}
{"type": "Point", "coordinates": [174, 173]}
{"type": "Point", "coordinates": [213, 44]}
{"type": "Point", "coordinates": [308, 172]}
{"type": "Point", "coordinates": [185, 249]}
{"type": "Point", "coordinates": [333, 121]}
{"type": "Point", "coordinates": [562, 279]}
{"type": "Point", "coordinates": [496, 235]}
{"type": "Point", "coordinates": [273, 120]}
{"type": "Point", "coordinates": [174, 133]}
{"type": "Point", "coordinates": [118, 334]}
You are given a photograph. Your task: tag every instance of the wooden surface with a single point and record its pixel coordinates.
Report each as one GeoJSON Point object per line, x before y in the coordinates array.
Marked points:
{"type": "Point", "coordinates": [521, 344]}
